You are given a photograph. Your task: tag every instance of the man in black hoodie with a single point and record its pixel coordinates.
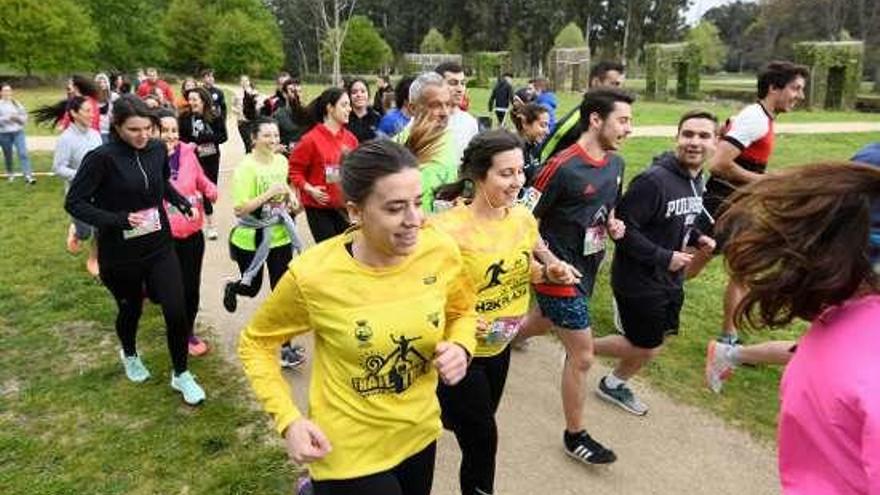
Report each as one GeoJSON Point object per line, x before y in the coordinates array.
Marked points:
{"type": "Point", "coordinates": [659, 209]}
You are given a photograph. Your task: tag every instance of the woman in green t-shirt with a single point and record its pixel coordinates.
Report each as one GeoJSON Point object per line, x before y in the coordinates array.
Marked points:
{"type": "Point", "coordinates": [261, 196]}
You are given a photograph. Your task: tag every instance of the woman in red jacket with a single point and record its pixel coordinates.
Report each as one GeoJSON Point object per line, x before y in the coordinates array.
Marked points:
{"type": "Point", "coordinates": [190, 180]}
{"type": "Point", "coordinates": [314, 164]}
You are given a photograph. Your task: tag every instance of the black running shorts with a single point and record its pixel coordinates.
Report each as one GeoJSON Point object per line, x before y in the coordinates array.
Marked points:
{"type": "Point", "coordinates": [647, 320]}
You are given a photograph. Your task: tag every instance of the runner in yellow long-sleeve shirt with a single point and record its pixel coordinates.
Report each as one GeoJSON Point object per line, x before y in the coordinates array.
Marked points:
{"type": "Point", "coordinates": [391, 309]}
{"type": "Point", "coordinates": [499, 242]}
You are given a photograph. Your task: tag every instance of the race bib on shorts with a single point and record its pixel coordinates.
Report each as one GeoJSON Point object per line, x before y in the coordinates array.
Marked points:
{"type": "Point", "coordinates": [595, 239]}
{"type": "Point", "coordinates": [151, 224]}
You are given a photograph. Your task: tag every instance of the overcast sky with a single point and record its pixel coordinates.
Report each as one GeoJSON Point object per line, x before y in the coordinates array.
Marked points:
{"type": "Point", "coordinates": [699, 7]}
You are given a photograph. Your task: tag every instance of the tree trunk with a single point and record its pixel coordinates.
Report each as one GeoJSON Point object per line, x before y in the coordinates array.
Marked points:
{"type": "Point", "coordinates": [305, 59]}
{"type": "Point", "coordinates": [624, 54]}
{"type": "Point", "coordinates": [337, 44]}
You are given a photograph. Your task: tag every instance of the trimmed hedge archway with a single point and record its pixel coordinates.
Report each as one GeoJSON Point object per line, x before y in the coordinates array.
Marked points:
{"type": "Point", "coordinates": [663, 59]}
{"type": "Point", "coordinates": [835, 72]}
{"type": "Point", "coordinates": [565, 62]}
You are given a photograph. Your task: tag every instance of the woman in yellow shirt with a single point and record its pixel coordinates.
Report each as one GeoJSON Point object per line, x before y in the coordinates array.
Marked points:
{"type": "Point", "coordinates": [499, 242]}
{"type": "Point", "coordinates": [391, 310]}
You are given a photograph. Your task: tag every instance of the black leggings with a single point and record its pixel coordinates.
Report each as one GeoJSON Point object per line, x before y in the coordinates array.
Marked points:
{"type": "Point", "coordinates": [326, 222]}
{"type": "Point", "coordinates": [277, 261]}
{"type": "Point", "coordinates": [413, 476]}
{"type": "Point", "coordinates": [244, 130]}
{"type": "Point", "coordinates": [190, 252]}
{"type": "Point", "coordinates": [469, 411]}
{"type": "Point", "coordinates": [211, 166]}
{"type": "Point", "coordinates": [161, 277]}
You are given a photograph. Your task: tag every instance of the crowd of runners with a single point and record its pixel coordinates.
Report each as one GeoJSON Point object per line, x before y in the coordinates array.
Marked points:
{"type": "Point", "coordinates": [442, 243]}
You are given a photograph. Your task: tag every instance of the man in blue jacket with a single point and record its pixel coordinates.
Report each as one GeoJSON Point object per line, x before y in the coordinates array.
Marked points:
{"type": "Point", "coordinates": [659, 209]}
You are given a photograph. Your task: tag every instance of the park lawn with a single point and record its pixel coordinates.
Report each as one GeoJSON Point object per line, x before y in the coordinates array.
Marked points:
{"type": "Point", "coordinates": [70, 422]}
{"type": "Point", "coordinates": [750, 399]}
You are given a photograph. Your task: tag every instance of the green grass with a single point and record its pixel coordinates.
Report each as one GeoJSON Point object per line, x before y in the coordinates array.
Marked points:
{"type": "Point", "coordinates": [750, 399]}
{"type": "Point", "coordinates": [34, 98]}
{"type": "Point", "coordinates": [69, 420]}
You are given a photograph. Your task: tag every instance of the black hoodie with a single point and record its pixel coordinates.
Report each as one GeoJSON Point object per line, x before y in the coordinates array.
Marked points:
{"type": "Point", "coordinates": [659, 209]}
{"type": "Point", "coordinates": [114, 180]}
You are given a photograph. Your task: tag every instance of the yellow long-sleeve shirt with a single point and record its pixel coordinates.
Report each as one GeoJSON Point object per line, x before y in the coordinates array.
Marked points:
{"type": "Point", "coordinates": [373, 381]}
{"type": "Point", "coordinates": [497, 256]}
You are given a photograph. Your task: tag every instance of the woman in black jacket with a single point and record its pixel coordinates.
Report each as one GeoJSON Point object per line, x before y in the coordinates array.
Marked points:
{"type": "Point", "coordinates": [363, 120]}
{"type": "Point", "coordinates": [119, 189]}
{"type": "Point", "coordinates": [201, 124]}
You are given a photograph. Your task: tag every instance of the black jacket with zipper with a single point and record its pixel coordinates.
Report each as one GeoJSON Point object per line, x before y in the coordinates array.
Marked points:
{"type": "Point", "coordinates": [659, 209]}
{"type": "Point", "coordinates": [114, 180]}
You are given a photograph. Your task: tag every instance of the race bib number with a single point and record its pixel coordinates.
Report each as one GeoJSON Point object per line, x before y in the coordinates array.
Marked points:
{"type": "Point", "coordinates": [442, 205]}
{"type": "Point", "coordinates": [594, 240]}
{"type": "Point", "coordinates": [207, 149]}
{"type": "Point", "coordinates": [151, 224]}
{"type": "Point", "coordinates": [530, 198]}
{"type": "Point", "coordinates": [503, 330]}
{"type": "Point", "coordinates": [274, 207]}
{"type": "Point", "coordinates": [332, 174]}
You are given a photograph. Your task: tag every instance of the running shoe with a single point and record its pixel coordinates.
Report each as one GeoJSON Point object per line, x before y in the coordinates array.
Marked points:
{"type": "Point", "coordinates": [623, 397]}
{"type": "Point", "coordinates": [185, 383]}
{"type": "Point", "coordinates": [584, 448]}
{"type": "Point", "coordinates": [230, 301]}
{"type": "Point", "coordinates": [211, 232]}
{"type": "Point", "coordinates": [196, 346]}
{"type": "Point", "coordinates": [134, 368]}
{"type": "Point", "coordinates": [73, 245]}
{"type": "Point", "coordinates": [719, 366]}
{"type": "Point", "coordinates": [292, 356]}
{"type": "Point", "coordinates": [30, 180]}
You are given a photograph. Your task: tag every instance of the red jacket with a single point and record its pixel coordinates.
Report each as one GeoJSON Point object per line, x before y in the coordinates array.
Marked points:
{"type": "Point", "coordinates": [146, 88]}
{"type": "Point", "coordinates": [316, 160]}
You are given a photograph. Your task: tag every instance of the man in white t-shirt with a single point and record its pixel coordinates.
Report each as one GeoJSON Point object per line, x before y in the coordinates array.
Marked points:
{"type": "Point", "coordinates": [462, 124]}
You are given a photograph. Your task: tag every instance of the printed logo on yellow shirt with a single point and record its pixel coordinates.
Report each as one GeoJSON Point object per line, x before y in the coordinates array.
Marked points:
{"type": "Point", "coordinates": [363, 333]}
{"type": "Point", "coordinates": [394, 373]}
{"type": "Point", "coordinates": [503, 285]}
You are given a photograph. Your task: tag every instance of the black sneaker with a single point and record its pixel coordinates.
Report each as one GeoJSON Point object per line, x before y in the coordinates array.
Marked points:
{"type": "Point", "coordinates": [622, 397]}
{"type": "Point", "coordinates": [229, 297]}
{"type": "Point", "coordinates": [582, 447]}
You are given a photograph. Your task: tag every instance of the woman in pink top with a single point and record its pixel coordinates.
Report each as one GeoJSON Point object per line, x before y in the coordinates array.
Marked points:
{"type": "Point", "coordinates": [190, 181]}
{"type": "Point", "coordinates": [800, 244]}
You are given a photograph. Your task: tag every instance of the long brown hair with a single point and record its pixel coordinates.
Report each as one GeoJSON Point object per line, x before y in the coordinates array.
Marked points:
{"type": "Point", "coordinates": [799, 241]}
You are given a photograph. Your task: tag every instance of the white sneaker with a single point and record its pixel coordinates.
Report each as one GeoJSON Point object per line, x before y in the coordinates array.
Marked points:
{"type": "Point", "coordinates": [185, 383]}
{"type": "Point", "coordinates": [134, 368]}
{"type": "Point", "coordinates": [719, 366]}
{"type": "Point", "coordinates": [211, 233]}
